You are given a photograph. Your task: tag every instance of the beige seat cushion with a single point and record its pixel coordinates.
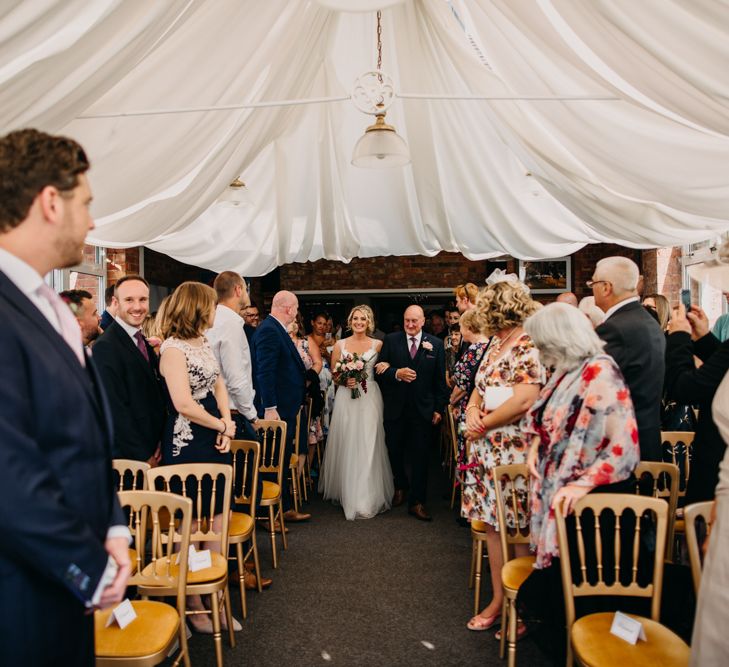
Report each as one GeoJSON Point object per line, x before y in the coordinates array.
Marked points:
{"type": "Point", "coordinates": [153, 629]}
{"type": "Point", "coordinates": [594, 645]}
{"type": "Point", "coordinates": [515, 572]}
{"type": "Point", "coordinates": [478, 526]}
{"type": "Point", "coordinates": [218, 570]}
{"type": "Point", "coordinates": [240, 524]}
{"type": "Point", "coordinates": [270, 491]}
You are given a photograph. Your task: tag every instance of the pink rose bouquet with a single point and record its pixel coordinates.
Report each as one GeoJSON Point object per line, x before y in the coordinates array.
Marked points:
{"type": "Point", "coordinates": [351, 366]}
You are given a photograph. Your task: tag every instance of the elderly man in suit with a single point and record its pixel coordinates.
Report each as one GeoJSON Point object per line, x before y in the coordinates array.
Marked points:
{"type": "Point", "coordinates": [635, 340]}
{"type": "Point", "coordinates": [65, 543]}
{"type": "Point", "coordinates": [280, 377]}
{"type": "Point", "coordinates": [129, 369]}
{"type": "Point", "coordinates": [415, 394]}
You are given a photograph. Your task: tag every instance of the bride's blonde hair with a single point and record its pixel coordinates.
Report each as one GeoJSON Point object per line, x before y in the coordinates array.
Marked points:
{"type": "Point", "coordinates": [369, 315]}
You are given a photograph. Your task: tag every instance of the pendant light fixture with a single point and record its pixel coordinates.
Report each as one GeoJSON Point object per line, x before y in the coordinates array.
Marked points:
{"type": "Point", "coordinates": [380, 146]}
{"type": "Point", "coordinates": [236, 195]}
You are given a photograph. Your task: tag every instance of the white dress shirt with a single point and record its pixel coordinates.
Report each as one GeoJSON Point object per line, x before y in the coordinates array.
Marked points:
{"type": "Point", "coordinates": [418, 337]}
{"type": "Point", "coordinates": [28, 280]}
{"type": "Point", "coordinates": [132, 331]}
{"type": "Point", "coordinates": [618, 306]}
{"type": "Point", "coordinates": [230, 346]}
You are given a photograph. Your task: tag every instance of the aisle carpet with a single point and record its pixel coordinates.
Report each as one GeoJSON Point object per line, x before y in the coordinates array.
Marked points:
{"type": "Point", "coordinates": [384, 591]}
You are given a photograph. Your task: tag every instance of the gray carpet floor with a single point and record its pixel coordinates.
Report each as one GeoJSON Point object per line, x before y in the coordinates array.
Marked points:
{"type": "Point", "coordinates": [385, 591]}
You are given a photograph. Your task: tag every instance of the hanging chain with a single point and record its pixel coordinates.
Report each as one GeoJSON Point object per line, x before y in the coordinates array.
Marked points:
{"type": "Point", "coordinates": [379, 42]}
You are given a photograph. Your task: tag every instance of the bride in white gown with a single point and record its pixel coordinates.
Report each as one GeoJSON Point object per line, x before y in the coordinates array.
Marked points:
{"type": "Point", "coordinates": [356, 470]}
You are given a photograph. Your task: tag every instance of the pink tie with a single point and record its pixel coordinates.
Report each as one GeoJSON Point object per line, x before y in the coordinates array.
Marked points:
{"type": "Point", "coordinates": [70, 329]}
{"type": "Point", "coordinates": [413, 347]}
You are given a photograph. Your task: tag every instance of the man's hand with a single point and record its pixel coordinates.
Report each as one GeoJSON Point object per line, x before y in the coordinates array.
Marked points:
{"type": "Point", "coordinates": [699, 322]}
{"type": "Point", "coordinates": [406, 374]}
{"type": "Point", "coordinates": [271, 413]}
{"type": "Point", "coordinates": [118, 549]}
{"type": "Point", "coordinates": [437, 417]}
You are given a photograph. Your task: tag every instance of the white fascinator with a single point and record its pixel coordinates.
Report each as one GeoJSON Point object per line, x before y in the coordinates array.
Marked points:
{"type": "Point", "coordinates": [500, 276]}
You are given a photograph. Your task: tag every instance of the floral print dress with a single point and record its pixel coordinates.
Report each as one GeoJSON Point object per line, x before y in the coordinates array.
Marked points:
{"type": "Point", "coordinates": [503, 445]}
{"type": "Point", "coordinates": [587, 436]}
{"type": "Point", "coordinates": [463, 378]}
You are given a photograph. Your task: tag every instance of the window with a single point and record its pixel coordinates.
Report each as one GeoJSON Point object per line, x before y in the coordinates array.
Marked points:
{"type": "Point", "coordinates": [89, 275]}
{"type": "Point", "coordinates": [708, 297]}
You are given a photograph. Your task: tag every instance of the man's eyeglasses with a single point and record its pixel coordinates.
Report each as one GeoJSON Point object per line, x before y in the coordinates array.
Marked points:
{"type": "Point", "coordinates": [592, 283]}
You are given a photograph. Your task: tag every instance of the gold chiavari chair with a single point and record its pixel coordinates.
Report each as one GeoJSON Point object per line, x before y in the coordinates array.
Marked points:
{"type": "Point", "coordinates": [306, 483]}
{"type": "Point", "coordinates": [131, 475]}
{"type": "Point", "coordinates": [478, 540]}
{"type": "Point", "coordinates": [664, 479]}
{"type": "Point", "coordinates": [246, 459]}
{"type": "Point", "coordinates": [272, 435]}
{"type": "Point", "coordinates": [150, 637]}
{"type": "Point", "coordinates": [453, 452]}
{"type": "Point", "coordinates": [187, 480]}
{"type": "Point", "coordinates": [515, 570]}
{"type": "Point", "coordinates": [677, 449]}
{"type": "Point", "coordinates": [694, 513]}
{"type": "Point", "coordinates": [296, 490]}
{"type": "Point", "coordinates": [589, 638]}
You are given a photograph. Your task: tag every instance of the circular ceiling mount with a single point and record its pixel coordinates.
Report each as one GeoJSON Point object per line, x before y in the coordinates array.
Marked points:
{"type": "Point", "coordinates": [374, 92]}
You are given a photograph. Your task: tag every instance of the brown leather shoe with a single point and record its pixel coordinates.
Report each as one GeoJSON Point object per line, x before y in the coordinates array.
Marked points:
{"type": "Point", "coordinates": [252, 584]}
{"type": "Point", "coordinates": [295, 517]}
{"type": "Point", "coordinates": [399, 498]}
{"type": "Point", "coordinates": [250, 566]}
{"type": "Point", "coordinates": [418, 511]}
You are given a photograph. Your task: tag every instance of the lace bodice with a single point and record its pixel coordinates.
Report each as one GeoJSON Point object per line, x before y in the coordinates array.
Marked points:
{"type": "Point", "coordinates": [202, 366]}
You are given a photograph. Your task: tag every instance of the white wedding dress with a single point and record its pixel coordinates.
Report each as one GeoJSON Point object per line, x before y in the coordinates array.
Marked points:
{"type": "Point", "coordinates": [356, 470]}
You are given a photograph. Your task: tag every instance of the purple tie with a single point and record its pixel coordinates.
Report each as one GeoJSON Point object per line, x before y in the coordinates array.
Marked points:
{"type": "Point", "coordinates": [413, 347]}
{"type": "Point", "coordinates": [70, 330]}
{"type": "Point", "coordinates": [141, 345]}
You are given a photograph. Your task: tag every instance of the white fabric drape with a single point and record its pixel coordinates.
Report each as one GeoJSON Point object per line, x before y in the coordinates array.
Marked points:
{"type": "Point", "coordinates": [646, 166]}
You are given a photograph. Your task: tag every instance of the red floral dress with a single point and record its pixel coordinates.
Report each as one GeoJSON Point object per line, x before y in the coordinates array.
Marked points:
{"type": "Point", "coordinates": [588, 436]}
{"type": "Point", "coordinates": [503, 445]}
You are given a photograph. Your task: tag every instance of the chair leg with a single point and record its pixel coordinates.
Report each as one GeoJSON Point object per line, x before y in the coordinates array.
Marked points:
{"type": "Point", "coordinates": [294, 489]}
{"type": "Point", "coordinates": [472, 573]}
{"type": "Point", "coordinates": [217, 638]}
{"type": "Point", "coordinates": [241, 577]}
{"type": "Point", "coordinates": [183, 637]}
{"type": "Point", "coordinates": [272, 522]}
{"type": "Point", "coordinates": [453, 494]}
{"type": "Point", "coordinates": [229, 615]}
{"type": "Point", "coordinates": [303, 484]}
{"type": "Point", "coordinates": [504, 620]}
{"type": "Point", "coordinates": [511, 651]}
{"type": "Point", "coordinates": [256, 563]}
{"type": "Point", "coordinates": [570, 657]}
{"type": "Point", "coordinates": [477, 577]}
{"type": "Point", "coordinates": [284, 541]}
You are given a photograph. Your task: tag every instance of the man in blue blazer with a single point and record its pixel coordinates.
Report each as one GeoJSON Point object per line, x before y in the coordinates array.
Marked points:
{"type": "Point", "coordinates": [65, 543]}
{"type": "Point", "coordinates": [280, 377]}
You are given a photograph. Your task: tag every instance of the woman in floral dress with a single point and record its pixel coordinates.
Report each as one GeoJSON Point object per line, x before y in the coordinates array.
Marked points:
{"type": "Point", "coordinates": [583, 439]}
{"type": "Point", "coordinates": [507, 383]}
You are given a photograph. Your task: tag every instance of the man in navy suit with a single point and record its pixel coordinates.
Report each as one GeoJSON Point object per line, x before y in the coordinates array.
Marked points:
{"type": "Point", "coordinates": [280, 378]}
{"type": "Point", "coordinates": [415, 393]}
{"type": "Point", "coordinates": [635, 340]}
{"type": "Point", "coordinates": [65, 543]}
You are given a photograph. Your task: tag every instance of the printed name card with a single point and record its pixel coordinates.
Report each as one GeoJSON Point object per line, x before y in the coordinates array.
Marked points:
{"type": "Point", "coordinates": [123, 614]}
{"type": "Point", "coordinates": [198, 560]}
{"type": "Point", "coordinates": [627, 628]}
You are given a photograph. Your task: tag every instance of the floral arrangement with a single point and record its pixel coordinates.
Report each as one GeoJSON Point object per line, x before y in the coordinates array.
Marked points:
{"type": "Point", "coordinates": [351, 366]}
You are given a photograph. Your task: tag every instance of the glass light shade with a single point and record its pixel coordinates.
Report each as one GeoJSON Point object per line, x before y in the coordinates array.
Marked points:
{"type": "Point", "coordinates": [380, 147]}
{"type": "Point", "coordinates": [236, 195]}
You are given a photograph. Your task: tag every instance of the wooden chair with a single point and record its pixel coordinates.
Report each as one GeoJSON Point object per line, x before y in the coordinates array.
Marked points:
{"type": "Point", "coordinates": [132, 474]}
{"type": "Point", "coordinates": [306, 483]}
{"type": "Point", "coordinates": [478, 540]}
{"type": "Point", "coordinates": [589, 637]}
{"type": "Point", "coordinates": [151, 636]}
{"type": "Point", "coordinates": [453, 453]}
{"type": "Point", "coordinates": [213, 580]}
{"type": "Point", "coordinates": [680, 449]}
{"type": "Point", "coordinates": [296, 479]}
{"type": "Point", "coordinates": [246, 459]}
{"type": "Point", "coordinates": [693, 513]}
{"type": "Point", "coordinates": [272, 434]}
{"type": "Point", "coordinates": [515, 570]}
{"type": "Point", "coordinates": [664, 484]}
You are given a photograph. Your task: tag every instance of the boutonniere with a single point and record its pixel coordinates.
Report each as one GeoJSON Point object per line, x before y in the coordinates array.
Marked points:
{"type": "Point", "coordinates": [427, 345]}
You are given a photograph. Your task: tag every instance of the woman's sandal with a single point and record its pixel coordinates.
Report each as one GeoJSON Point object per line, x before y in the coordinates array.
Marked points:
{"type": "Point", "coordinates": [521, 632]}
{"type": "Point", "coordinates": [480, 623]}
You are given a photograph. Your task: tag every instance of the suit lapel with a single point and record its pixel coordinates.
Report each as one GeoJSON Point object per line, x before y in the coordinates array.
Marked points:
{"type": "Point", "coordinates": [132, 350]}
{"type": "Point", "coordinates": [421, 350]}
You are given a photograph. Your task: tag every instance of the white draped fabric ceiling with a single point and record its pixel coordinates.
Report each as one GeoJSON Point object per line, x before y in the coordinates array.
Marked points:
{"type": "Point", "coordinates": [534, 126]}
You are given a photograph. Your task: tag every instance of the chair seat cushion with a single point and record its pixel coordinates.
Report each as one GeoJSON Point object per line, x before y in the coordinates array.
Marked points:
{"type": "Point", "coordinates": [594, 645]}
{"type": "Point", "coordinates": [153, 629]}
{"type": "Point", "coordinates": [294, 461]}
{"type": "Point", "coordinates": [515, 572]}
{"type": "Point", "coordinates": [218, 570]}
{"type": "Point", "coordinates": [270, 490]}
{"type": "Point", "coordinates": [680, 526]}
{"type": "Point", "coordinates": [240, 524]}
{"type": "Point", "coordinates": [478, 526]}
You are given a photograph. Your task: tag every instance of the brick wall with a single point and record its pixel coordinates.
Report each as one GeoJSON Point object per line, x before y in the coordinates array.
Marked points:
{"type": "Point", "coordinates": [662, 272]}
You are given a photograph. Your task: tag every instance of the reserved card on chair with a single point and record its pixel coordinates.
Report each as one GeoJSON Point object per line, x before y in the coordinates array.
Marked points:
{"type": "Point", "coordinates": [197, 560]}
{"type": "Point", "coordinates": [627, 628]}
{"type": "Point", "coordinates": [123, 614]}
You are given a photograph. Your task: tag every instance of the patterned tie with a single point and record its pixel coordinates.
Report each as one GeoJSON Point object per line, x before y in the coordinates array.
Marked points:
{"type": "Point", "coordinates": [142, 345]}
{"type": "Point", "coordinates": [70, 330]}
{"type": "Point", "coordinates": [413, 347]}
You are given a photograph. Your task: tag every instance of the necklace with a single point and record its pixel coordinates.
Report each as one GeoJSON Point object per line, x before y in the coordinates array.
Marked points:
{"type": "Point", "coordinates": [503, 341]}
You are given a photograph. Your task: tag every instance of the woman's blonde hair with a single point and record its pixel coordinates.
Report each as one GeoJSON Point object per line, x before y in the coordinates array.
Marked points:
{"type": "Point", "coordinates": [367, 312]}
{"type": "Point", "coordinates": [663, 308]}
{"type": "Point", "coordinates": [473, 320]}
{"type": "Point", "coordinates": [187, 311]}
{"type": "Point", "coordinates": [505, 304]}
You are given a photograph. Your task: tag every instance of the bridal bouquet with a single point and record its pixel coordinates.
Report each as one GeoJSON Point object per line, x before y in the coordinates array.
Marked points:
{"type": "Point", "coordinates": [351, 366]}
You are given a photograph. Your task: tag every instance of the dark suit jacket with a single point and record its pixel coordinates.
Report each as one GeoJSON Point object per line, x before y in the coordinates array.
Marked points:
{"type": "Point", "coordinates": [696, 386]}
{"type": "Point", "coordinates": [279, 372]}
{"type": "Point", "coordinates": [57, 498]}
{"type": "Point", "coordinates": [106, 320]}
{"type": "Point", "coordinates": [135, 393]}
{"type": "Point", "coordinates": [428, 393]}
{"type": "Point", "coordinates": [635, 340]}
